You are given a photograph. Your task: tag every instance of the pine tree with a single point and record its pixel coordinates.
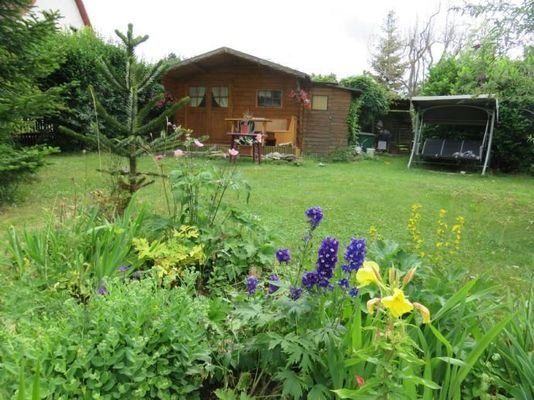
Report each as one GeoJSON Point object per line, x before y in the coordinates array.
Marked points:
{"type": "Point", "coordinates": [387, 61]}
{"type": "Point", "coordinates": [26, 57]}
{"type": "Point", "coordinates": [132, 133]}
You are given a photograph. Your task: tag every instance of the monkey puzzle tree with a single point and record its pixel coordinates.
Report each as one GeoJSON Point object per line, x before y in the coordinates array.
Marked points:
{"type": "Point", "coordinates": [130, 136]}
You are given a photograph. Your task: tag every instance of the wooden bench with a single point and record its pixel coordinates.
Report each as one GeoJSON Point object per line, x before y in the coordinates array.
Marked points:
{"type": "Point", "coordinates": [285, 133]}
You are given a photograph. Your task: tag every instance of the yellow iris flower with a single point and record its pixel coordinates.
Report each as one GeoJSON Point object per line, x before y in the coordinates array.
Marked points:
{"type": "Point", "coordinates": [368, 273]}
{"type": "Point", "coordinates": [397, 304]}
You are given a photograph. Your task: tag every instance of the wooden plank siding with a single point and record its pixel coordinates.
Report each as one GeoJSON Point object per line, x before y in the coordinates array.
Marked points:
{"type": "Point", "coordinates": [243, 79]}
{"type": "Point", "coordinates": [324, 131]}
{"type": "Point", "coordinates": [318, 131]}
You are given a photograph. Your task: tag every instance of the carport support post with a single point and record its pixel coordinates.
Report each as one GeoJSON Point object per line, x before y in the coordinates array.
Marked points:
{"type": "Point", "coordinates": [415, 144]}
{"type": "Point", "coordinates": [490, 140]}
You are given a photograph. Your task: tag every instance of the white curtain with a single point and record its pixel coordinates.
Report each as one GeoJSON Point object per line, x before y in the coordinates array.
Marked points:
{"type": "Point", "coordinates": [220, 96]}
{"type": "Point", "coordinates": [196, 94]}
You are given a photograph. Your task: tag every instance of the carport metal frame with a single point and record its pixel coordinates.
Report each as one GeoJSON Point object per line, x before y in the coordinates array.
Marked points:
{"type": "Point", "coordinates": [424, 105]}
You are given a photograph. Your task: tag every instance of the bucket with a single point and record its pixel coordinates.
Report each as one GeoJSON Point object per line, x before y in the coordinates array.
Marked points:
{"type": "Point", "coordinates": [370, 152]}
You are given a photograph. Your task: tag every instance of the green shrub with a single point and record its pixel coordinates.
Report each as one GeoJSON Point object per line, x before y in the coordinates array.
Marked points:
{"type": "Point", "coordinates": [17, 166]}
{"type": "Point", "coordinates": [137, 341]}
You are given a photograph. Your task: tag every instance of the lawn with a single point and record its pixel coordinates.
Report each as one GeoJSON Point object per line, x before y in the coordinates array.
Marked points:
{"type": "Point", "coordinates": [498, 210]}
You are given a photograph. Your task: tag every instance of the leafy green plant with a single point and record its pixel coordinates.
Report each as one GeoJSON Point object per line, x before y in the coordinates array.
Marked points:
{"type": "Point", "coordinates": [206, 198]}
{"type": "Point", "coordinates": [78, 254]}
{"type": "Point", "coordinates": [136, 341]}
{"type": "Point", "coordinates": [513, 350]}
{"type": "Point", "coordinates": [343, 154]}
{"type": "Point", "coordinates": [172, 256]}
{"type": "Point", "coordinates": [198, 188]}
{"type": "Point", "coordinates": [372, 104]}
{"type": "Point", "coordinates": [286, 331]}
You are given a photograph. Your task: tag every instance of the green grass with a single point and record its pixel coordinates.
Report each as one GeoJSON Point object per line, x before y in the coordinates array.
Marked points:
{"type": "Point", "coordinates": [498, 210]}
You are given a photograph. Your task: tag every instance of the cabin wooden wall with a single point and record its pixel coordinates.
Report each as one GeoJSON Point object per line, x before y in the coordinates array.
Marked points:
{"type": "Point", "coordinates": [324, 131]}
{"type": "Point", "coordinates": [243, 79]}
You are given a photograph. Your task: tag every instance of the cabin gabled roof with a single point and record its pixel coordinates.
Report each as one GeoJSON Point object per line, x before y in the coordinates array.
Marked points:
{"type": "Point", "coordinates": [218, 56]}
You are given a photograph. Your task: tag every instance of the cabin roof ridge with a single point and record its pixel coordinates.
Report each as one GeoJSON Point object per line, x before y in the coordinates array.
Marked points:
{"type": "Point", "coordinates": [244, 56]}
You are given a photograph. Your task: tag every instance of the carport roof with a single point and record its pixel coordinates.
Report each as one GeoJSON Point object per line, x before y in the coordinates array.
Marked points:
{"type": "Point", "coordinates": [456, 109]}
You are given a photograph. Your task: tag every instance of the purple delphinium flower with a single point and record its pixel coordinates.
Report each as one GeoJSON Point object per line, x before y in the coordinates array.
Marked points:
{"type": "Point", "coordinates": [310, 279]}
{"type": "Point", "coordinates": [324, 283]}
{"type": "Point", "coordinates": [353, 292]}
{"type": "Point", "coordinates": [123, 268]}
{"type": "Point", "coordinates": [272, 287]}
{"type": "Point", "coordinates": [346, 268]}
{"type": "Point", "coordinates": [355, 254]}
{"type": "Point", "coordinates": [102, 291]}
{"type": "Point", "coordinates": [295, 293]}
{"type": "Point", "coordinates": [315, 216]}
{"type": "Point", "coordinates": [343, 283]}
{"type": "Point", "coordinates": [252, 283]}
{"type": "Point", "coordinates": [327, 257]}
{"type": "Point", "coordinates": [283, 256]}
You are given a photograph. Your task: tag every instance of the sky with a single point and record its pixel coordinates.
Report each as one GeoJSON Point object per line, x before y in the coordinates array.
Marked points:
{"type": "Point", "coordinates": [322, 37]}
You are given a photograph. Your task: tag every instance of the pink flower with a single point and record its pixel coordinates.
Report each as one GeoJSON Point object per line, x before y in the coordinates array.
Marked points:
{"type": "Point", "coordinates": [233, 152]}
{"type": "Point", "coordinates": [198, 143]}
{"type": "Point", "coordinates": [178, 153]}
{"type": "Point", "coordinates": [159, 157]}
{"type": "Point", "coordinates": [359, 380]}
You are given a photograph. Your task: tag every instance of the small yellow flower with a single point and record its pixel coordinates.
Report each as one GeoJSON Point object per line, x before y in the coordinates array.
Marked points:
{"type": "Point", "coordinates": [397, 304]}
{"type": "Point", "coordinates": [368, 273]}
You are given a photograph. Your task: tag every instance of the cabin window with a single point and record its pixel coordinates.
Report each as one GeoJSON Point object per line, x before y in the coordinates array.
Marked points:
{"type": "Point", "coordinates": [219, 97]}
{"type": "Point", "coordinates": [320, 103]}
{"type": "Point", "coordinates": [269, 98]}
{"type": "Point", "coordinates": [198, 96]}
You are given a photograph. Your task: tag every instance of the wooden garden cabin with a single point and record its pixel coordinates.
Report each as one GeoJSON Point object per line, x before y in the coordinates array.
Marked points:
{"type": "Point", "coordinates": [226, 83]}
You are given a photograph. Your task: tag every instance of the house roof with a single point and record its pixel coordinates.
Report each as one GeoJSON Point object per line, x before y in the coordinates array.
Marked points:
{"type": "Point", "coordinates": [203, 61]}
{"type": "Point", "coordinates": [80, 6]}
{"type": "Point", "coordinates": [83, 12]}
{"type": "Point", "coordinates": [457, 109]}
